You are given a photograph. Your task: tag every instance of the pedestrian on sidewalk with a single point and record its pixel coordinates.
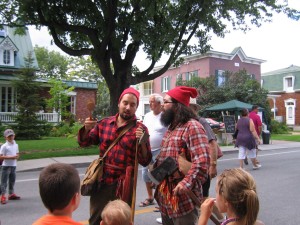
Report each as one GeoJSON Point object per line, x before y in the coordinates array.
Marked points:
{"type": "Point", "coordinates": [257, 124]}
{"type": "Point", "coordinates": [120, 160]}
{"type": "Point", "coordinates": [156, 131]}
{"type": "Point", "coordinates": [246, 139]}
{"type": "Point", "coordinates": [9, 152]}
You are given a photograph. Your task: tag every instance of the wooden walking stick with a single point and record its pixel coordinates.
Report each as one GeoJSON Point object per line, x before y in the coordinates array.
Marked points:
{"type": "Point", "coordinates": [141, 140]}
{"type": "Point", "coordinates": [135, 172]}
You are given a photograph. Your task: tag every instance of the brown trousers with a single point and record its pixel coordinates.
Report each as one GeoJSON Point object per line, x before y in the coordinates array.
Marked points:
{"type": "Point", "coordinates": [99, 199]}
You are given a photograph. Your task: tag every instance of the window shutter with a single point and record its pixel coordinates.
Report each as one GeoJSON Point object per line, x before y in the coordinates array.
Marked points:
{"type": "Point", "coordinates": [161, 84]}
{"type": "Point", "coordinates": [217, 78]}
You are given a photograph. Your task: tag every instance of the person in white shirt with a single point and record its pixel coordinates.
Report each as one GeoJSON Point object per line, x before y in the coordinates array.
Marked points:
{"type": "Point", "coordinates": [156, 131]}
{"type": "Point", "coordinates": [9, 152]}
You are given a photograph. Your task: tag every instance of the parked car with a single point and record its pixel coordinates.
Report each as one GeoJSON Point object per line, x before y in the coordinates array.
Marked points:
{"type": "Point", "coordinates": [215, 124]}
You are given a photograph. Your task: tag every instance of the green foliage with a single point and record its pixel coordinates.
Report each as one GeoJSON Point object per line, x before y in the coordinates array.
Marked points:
{"type": "Point", "coordinates": [59, 98]}
{"type": "Point", "coordinates": [66, 129]}
{"type": "Point", "coordinates": [239, 86]}
{"type": "Point", "coordinates": [51, 64]}
{"type": "Point", "coordinates": [102, 105]}
{"type": "Point", "coordinates": [114, 31]}
{"type": "Point", "coordinates": [28, 125]}
{"type": "Point", "coordinates": [53, 147]}
{"type": "Point", "coordinates": [84, 68]}
{"type": "Point", "coordinates": [279, 128]}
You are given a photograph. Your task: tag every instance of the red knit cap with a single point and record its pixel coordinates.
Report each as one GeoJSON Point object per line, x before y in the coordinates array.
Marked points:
{"type": "Point", "coordinates": [130, 90]}
{"type": "Point", "coordinates": [183, 94]}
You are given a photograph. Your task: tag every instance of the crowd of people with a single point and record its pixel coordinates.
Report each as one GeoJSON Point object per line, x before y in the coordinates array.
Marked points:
{"type": "Point", "coordinates": [174, 137]}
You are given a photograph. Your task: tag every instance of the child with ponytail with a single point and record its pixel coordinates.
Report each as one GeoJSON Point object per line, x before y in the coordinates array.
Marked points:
{"type": "Point", "coordinates": [236, 196]}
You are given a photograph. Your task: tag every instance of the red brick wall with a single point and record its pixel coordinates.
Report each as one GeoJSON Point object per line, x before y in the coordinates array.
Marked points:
{"type": "Point", "coordinates": [281, 106]}
{"type": "Point", "coordinates": [207, 67]}
{"type": "Point", "coordinates": [82, 98]}
{"type": "Point", "coordinates": [229, 65]}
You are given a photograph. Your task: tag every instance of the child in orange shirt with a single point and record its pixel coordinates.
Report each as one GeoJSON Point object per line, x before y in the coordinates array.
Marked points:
{"type": "Point", "coordinates": [59, 185]}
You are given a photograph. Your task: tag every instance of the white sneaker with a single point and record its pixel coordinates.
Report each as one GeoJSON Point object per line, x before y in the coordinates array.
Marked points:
{"type": "Point", "coordinates": [159, 220]}
{"type": "Point", "coordinates": [256, 167]}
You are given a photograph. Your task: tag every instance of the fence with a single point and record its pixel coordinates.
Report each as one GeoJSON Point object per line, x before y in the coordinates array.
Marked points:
{"type": "Point", "coordinates": [8, 117]}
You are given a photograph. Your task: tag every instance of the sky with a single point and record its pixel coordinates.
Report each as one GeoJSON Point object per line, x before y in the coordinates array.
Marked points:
{"type": "Point", "coordinates": [278, 43]}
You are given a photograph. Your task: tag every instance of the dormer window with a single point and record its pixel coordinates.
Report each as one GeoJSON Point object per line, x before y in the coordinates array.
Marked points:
{"type": "Point", "coordinates": [288, 83]}
{"type": "Point", "coordinates": [7, 50]}
{"type": "Point", "coordinates": [6, 57]}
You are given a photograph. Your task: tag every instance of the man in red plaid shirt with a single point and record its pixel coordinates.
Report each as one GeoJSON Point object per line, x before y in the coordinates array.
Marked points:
{"type": "Point", "coordinates": [121, 156]}
{"type": "Point", "coordinates": [185, 135]}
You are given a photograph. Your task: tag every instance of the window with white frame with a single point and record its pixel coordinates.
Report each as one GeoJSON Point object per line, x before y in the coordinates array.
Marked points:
{"type": "Point", "coordinates": [165, 84]}
{"type": "Point", "coordinates": [148, 89]}
{"type": "Point", "coordinates": [73, 105]}
{"type": "Point", "coordinates": [189, 75]}
{"type": "Point", "coordinates": [288, 83]}
{"type": "Point", "coordinates": [6, 57]}
{"type": "Point", "coordinates": [8, 99]}
{"type": "Point", "coordinates": [179, 77]}
{"type": "Point", "coordinates": [220, 77]}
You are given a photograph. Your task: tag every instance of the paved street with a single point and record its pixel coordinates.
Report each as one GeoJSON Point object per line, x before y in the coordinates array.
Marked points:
{"type": "Point", "coordinates": [277, 182]}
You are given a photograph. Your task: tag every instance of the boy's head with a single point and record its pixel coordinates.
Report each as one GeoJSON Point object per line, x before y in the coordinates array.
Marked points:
{"type": "Point", "coordinates": [59, 184]}
{"type": "Point", "coordinates": [9, 134]}
{"type": "Point", "coordinates": [116, 212]}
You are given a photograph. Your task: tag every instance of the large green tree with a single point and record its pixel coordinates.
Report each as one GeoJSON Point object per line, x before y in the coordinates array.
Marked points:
{"type": "Point", "coordinates": [52, 64]}
{"type": "Point", "coordinates": [239, 86]}
{"type": "Point", "coordinates": [114, 31]}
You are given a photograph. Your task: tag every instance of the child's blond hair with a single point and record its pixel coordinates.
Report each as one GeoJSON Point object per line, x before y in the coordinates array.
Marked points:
{"type": "Point", "coordinates": [238, 187]}
{"type": "Point", "coordinates": [116, 212]}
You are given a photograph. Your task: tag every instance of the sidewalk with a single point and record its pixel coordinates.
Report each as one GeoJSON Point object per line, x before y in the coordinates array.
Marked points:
{"type": "Point", "coordinates": [83, 161]}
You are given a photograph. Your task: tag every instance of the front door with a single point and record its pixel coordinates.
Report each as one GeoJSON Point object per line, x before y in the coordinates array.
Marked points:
{"type": "Point", "coordinates": [290, 111]}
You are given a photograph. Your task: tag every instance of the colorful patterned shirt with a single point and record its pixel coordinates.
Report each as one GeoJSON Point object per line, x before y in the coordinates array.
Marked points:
{"type": "Point", "coordinates": [122, 154]}
{"type": "Point", "coordinates": [191, 139]}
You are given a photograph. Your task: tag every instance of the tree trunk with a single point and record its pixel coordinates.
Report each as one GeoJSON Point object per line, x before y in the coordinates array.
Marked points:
{"type": "Point", "coordinates": [116, 87]}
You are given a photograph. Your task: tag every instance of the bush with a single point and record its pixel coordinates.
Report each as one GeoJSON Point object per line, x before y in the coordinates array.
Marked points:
{"type": "Point", "coordinates": [65, 129]}
{"type": "Point", "coordinates": [279, 128]}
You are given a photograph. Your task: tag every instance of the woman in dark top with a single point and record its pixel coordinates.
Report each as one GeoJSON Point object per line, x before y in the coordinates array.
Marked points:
{"type": "Point", "coordinates": [246, 139]}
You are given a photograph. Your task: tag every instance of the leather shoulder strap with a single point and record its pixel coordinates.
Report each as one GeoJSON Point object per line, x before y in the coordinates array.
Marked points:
{"type": "Point", "coordinates": [125, 129]}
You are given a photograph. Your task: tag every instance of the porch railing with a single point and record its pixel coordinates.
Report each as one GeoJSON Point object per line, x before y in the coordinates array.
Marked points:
{"type": "Point", "coordinates": [8, 117]}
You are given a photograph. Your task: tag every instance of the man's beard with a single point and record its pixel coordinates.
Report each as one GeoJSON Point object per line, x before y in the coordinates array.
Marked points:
{"type": "Point", "coordinates": [125, 116]}
{"type": "Point", "coordinates": [167, 117]}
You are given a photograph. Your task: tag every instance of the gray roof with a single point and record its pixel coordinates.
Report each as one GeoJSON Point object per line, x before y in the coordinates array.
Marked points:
{"type": "Point", "coordinates": [23, 44]}
{"type": "Point", "coordinates": [290, 69]}
{"type": "Point", "coordinates": [81, 84]}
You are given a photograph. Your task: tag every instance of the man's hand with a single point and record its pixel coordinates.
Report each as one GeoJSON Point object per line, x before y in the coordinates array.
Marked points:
{"type": "Point", "coordinates": [139, 133]}
{"type": "Point", "coordinates": [212, 171]}
{"type": "Point", "coordinates": [179, 189]}
{"type": "Point", "coordinates": [89, 124]}
{"type": "Point", "coordinates": [206, 210]}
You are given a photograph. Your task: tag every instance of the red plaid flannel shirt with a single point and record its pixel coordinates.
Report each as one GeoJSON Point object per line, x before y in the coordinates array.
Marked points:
{"type": "Point", "coordinates": [192, 139]}
{"type": "Point", "coordinates": [123, 152]}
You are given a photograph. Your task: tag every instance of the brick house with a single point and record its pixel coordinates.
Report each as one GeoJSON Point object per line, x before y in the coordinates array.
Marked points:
{"type": "Point", "coordinates": [13, 49]}
{"type": "Point", "coordinates": [212, 63]}
{"type": "Point", "coordinates": [284, 94]}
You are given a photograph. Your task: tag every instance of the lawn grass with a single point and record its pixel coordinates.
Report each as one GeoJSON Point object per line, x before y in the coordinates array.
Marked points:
{"type": "Point", "coordinates": [53, 147]}
{"type": "Point", "coordinates": [61, 146]}
{"type": "Point", "coordinates": [286, 137]}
